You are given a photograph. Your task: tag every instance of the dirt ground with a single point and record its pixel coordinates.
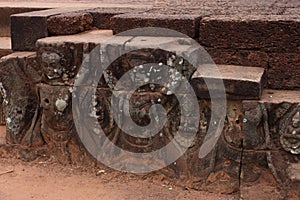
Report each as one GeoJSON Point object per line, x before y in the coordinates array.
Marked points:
{"type": "Point", "coordinates": [43, 180]}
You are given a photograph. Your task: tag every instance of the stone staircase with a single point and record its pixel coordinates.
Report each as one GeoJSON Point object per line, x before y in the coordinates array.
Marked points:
{"type": "Point", "coordinates": [260, 71]}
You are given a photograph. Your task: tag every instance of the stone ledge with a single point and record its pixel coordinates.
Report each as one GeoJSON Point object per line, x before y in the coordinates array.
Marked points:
{"type": "Point", "coordinates": [186, 24]}
{"type": "Point", "coordinates": [240, 82]}
{"type": "Point", "coordinates": [27, 28]}
{"type": "Point", "coordinates": [269, 33]}
{"type": "Point", "coordinates": [102, 16]}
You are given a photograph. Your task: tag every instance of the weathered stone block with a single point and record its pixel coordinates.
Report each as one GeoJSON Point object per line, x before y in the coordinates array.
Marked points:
{"type": "Point", "coordinates": [239, 57]}
{"type": "Point", "coordinates": [27, 28]}
{"type": "Point", "coordinates": [271, 130]}
{"type": "Point", "coordinates": [102, 16]}
{"type": "Point", "coordinates": [240, 82]}
{"type": "Point", "coordinates": [60, 57]}
{"type": "Point", "coordinates": [20, 99]}
{"type": "Point", "coordinates": [69, 23]}
{"type": "Point", "coordinates": [6, 12]}
{"type": "Point", "coordinates": [186, 24]}
{"type": "Point", "coordinates": [251, 32]}
{"type": "Point", "coordinates": [284, 71]}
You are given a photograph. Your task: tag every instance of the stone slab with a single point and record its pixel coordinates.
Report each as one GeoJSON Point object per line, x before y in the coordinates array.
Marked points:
{"type": "Point", "coordinates": [270, 33]}
{"type": "Point", "coordinates": [27, 28]}
{"type": "Point", "coordinates": [102, 15]}
{"type": "Point", "coordinates": [5, 13]}
{"type": "Point", "coordinates": [284, 71]}
{"type": "Point", "coordinates": [240, 82]}
{"type": "Point", "coordinates": [69, 23]}
{"type": "Point", "coordinates": [186, 24]}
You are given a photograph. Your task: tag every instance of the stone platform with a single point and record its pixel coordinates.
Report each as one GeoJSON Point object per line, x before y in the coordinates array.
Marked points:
{"type": "Point", "coordinates": [255, 47]}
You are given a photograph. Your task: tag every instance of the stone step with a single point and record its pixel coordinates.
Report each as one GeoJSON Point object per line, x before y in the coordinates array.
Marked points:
{"type": "Point", "coordinates": [5, 13]}
{"type": "Point", "coordinates": [27, 28]}
{"type": "Point", "coordinates": [185, 24]}
{"type": "Point", "coordinates": [269, 41]}
{"type": "Point", "coordinates": [60, 21]}
{"type": "Point", "coordinates": [238, 39]}
{"type": "Point", "coordinates": [240, 82]}
{"type": "Point", "coordinates": [60, 57]}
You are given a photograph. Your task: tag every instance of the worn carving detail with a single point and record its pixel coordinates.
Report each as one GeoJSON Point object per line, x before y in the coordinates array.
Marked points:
{"type": "Point", "coordinates": [290, 132]}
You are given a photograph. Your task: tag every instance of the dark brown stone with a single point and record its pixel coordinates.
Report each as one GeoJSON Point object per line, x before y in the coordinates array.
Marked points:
{"type": "Point", "coordinates": [27, 28]}
{"type": "Point", "coordinates": [251, 32]}
{"type": "Point", "coordinates": [282, 68]}
{"type": "Point", "coordinates": [186, 24]}
{"type": "Point", "coordinates": [69, 23]}
{"type": "Point", "coordinates": [271, 130]}
{"type": "Point", "coordinates": [20, 99]}
{"type": "Point", "coordinates": [239, 82]}
{"type": "Point", "coordinates": [253, 131]}
{"type": "Point", "coordinates": [284, 71]}
{"type": "Point", "coordinates": [5, 13]}
{"type": "Point", "coordinates": [60, 57]}
{"type": "Point", "coordinates": [102, 16]}
{"type": "Point", "coordinates": [239, 57]}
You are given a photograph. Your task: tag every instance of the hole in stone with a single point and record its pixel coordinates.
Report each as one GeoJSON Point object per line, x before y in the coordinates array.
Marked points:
{"type": "Point", "coordinates": [19, 112]}
{"type": "Point", "coordinates": [237, 121]}
{"type": "Point", "coordinates": [46, 101]}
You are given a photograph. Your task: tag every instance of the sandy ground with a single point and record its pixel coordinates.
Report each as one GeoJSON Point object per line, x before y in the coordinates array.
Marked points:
{"type": "Point", "coordinates": [41, 180]}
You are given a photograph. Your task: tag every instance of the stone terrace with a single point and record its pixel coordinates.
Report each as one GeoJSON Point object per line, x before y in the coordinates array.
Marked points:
{"type": "Point", "coordinates": [256, 46]}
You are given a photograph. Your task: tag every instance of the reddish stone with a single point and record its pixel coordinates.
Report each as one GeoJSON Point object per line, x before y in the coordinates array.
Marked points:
{"type": "Point", "coordinates": [186, 24]}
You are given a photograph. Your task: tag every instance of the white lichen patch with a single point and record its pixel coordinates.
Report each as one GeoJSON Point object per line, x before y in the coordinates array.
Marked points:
{"type": "Point", "coordinates": [61, 105]}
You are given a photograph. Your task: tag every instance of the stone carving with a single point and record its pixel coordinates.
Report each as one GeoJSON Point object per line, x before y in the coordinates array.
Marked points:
{"type": "Point", "coordinates": [290, 132]}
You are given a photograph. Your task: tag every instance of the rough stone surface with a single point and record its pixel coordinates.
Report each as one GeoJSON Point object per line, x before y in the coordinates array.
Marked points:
{"type": "Point", "coordinates": [20, 99]}
{"type": "Point", "coordinates": [186, 24]}
{"type": "Point", "coordinates": [251, 32]}
{"type": "Point", "coordinates": [6, 12]}
{"type": "Point", "coordinates": [240, 82]}
{"type": "Point", "coordinates": [271, 127]}
{"type": "Point", "coordinates": [69, 23]}
{"type": "Point", "coordinates": [284, 71]}
{"type": "Point", "coordinates": [260, 138]}
{"type": "Point", "coordinates": [60, 57]}
{"type": "Point", "coordinates": [27, 28]}
{"type": "Point", "coordinates": [102, 16]}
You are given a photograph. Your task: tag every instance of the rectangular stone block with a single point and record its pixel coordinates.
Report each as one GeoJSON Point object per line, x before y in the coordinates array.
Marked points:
{"type": "Point", "coordinates": [270, 33]}
{"type": "Point", "coordinates": [186, 24]}
{"type": "Point", "coordinates": [69, 23]}
{"type": "Point", "coordinates": [60, 57]}
{"type": "Point", "coordinates": [253, 58]}
{"type": "Point", "coordinates": [6, 12]}
{"type": "Point", "coordinates": [27, 28]}
{"type": "Point", "coordinates": [284, 71]}
{"type": "Point", "coordinates": [102, 16]}
{"type": "Point", "coordinates": [240, 82]}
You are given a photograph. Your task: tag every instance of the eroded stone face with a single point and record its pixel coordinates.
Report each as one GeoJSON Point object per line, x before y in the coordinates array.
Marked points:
{"type": "Point", "coordinates": [290, 132]}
